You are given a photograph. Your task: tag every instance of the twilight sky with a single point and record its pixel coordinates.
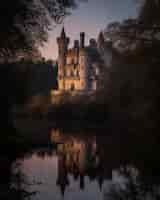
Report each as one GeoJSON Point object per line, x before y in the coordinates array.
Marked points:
{"type": "Point", "coordinates": [90, 17]}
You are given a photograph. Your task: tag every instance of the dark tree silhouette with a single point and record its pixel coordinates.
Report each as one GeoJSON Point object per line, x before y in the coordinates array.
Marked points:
{"type": "Point", "coordinates": [25, 23]}
{"type": "Point", "coordinates": [149, 13]}
{"type": "Point", "coordinates": [24, 26]}
{"type": "Point", "coordinates": [134, 76]}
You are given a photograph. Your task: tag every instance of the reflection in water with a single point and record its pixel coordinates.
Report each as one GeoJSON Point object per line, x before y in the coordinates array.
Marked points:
{"type": "Point", "coordinates": [75, 167]}
{"type": "Point", "coordinates": [76, 156]}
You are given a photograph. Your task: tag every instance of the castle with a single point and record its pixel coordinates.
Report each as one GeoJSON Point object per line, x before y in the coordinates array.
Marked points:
{"type": "Point", "coordinates": [81, 67]}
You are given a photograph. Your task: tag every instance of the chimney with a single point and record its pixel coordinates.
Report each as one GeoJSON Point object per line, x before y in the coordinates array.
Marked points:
{"type": "Point", "coordinates": [82, 40]}
{"type": "Point", "coordinates": [76, 44]}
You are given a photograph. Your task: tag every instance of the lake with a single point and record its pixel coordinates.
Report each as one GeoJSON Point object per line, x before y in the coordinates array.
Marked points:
{"type": "Point", "coordinates": [83, 165]}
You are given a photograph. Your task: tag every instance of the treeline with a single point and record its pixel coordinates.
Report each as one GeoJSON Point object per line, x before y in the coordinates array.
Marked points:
{"type": "Point", "coordinates": [20, 81]}
{"type": "Point", "coordinates": [81, 112]}
{"type": "Point", "coordinates": [23, 79]}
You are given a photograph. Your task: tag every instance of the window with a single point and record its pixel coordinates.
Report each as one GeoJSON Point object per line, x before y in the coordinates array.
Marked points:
{"type": "Point", "coordinates": [72, 87]}
{"type": "Point", "coordinates": [97, 71]}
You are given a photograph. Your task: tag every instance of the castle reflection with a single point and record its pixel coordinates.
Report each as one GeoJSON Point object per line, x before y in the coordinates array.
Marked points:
{"type": "Point", "coordinates": [78, 157]}
{"type": "Point", "coordinates": [84, 165]}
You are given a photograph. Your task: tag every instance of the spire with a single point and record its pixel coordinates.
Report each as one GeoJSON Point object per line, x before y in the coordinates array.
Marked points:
{"type": "Point", "coordinates": [100, 41]}
{"type": "Point", "coordinates": [82, 40]}
{"type": "Point", "coordinates": [101, 37]}
{"type": "Point", "coordinates": [63, 34]}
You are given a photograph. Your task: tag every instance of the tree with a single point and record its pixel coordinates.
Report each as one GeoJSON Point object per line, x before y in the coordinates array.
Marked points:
{"type": "Point", "coordinates": [149, 12]}
{"type": "Point", "coordinates": [25, 23]}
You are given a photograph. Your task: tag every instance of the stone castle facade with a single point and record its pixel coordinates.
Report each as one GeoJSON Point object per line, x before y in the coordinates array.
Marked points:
{"type": "Point", "coordinates": [81, 67]}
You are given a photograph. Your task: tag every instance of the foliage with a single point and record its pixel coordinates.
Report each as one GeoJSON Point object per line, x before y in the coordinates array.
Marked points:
{"type": "Point", "coordinates": [25, 23]}
{"type": "Point", "coordinates": [132, 91]}
{"type": "Point", "coordinates": [92, 111]}
{"type": "Point", "coordinates": [149, 13]}
{"type": "Point", "coordinates": [132, 186]}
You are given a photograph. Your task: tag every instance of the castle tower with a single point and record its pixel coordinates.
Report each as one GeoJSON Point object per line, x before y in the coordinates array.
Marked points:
{"type": "Point", "coordinates": [100, 41]}
{"type": "Point", "coordinates": [76, 50]}
{"type": "Point", "coordinates": [105, 49]}
{"type": "Point", "coordinates": [63, 43]}
{"type": "Point", "coordinates": [82, 40]}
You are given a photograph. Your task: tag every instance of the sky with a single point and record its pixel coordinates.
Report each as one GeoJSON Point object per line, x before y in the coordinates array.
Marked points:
{"type": "Point", "coordinates": [91, 18]}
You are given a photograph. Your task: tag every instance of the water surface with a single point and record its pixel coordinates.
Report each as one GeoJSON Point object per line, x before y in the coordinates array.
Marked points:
{"type": "Point", "coordinates": [82, 166]}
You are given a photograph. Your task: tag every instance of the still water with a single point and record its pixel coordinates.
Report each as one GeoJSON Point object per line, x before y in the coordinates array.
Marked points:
{"type": "Point", "coordinates": [81, 166]}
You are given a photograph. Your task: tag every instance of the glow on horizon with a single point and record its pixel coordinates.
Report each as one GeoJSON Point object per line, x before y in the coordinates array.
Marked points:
{"type": "Point", "coordinates": [91, 18]}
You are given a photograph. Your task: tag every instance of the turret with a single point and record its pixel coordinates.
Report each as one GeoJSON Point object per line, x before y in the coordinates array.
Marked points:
{"type": "Point", "coordinates": [105, 49]}
{"type": "Point", "coordinates": [63, 43]}
{"type": "Point", "coordinates": [82, 40]}
{"type": "Point", "coordinates": [100, 41]}
{"type": "Point", "coordinates": [76, 44]}
{"type": "Point", "coordinates": [76, 50]}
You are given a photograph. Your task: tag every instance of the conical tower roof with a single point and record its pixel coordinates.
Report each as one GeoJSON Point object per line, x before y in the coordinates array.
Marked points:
{"type": "Point", "coordinates": [63, 33]}
{"type": "Point", "coordinates": [101, 38]}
